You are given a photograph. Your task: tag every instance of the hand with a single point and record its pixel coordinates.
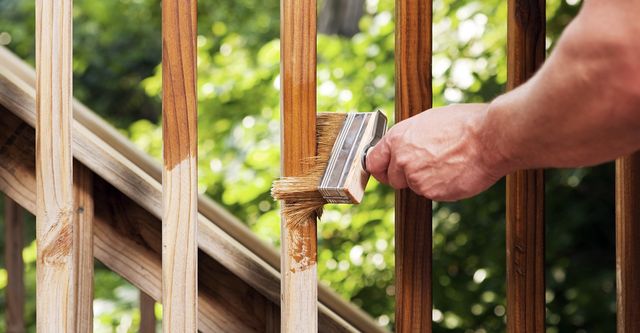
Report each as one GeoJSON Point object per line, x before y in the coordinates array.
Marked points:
{"type": "Point", "coordinates": [439, 154]}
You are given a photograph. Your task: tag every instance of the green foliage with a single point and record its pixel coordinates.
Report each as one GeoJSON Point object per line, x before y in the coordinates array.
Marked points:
{"type": "Point", "coordinates": [117, 54]}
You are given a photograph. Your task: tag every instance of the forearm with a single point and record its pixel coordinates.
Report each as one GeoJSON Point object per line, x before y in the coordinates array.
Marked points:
{"type": "Point", "coordinates": [581, 108]}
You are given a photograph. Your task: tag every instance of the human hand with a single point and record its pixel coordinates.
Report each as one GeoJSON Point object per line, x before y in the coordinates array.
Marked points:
{"type": "Point", "coordinates": [441, 154]}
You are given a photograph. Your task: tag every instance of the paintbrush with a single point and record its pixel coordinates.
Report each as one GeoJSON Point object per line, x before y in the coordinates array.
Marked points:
{"type": "Point", "coordinates": [339, 173]}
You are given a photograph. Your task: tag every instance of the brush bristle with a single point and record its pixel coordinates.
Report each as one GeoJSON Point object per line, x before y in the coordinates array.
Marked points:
{"type": "Point", "coordinates": [301, 193]}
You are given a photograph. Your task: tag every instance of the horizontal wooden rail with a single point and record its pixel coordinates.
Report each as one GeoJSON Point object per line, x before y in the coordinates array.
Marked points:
{"type": "Point", "coordinates": [525, 189]}
{"type": "Point", "coordinates": [628, 243]}
{"type": "Point", "coordinates": [13, 245]}
{"type": "Point", "coordinates": [23, 81]}
{"type": "Point", "coordinates": [413, 212]}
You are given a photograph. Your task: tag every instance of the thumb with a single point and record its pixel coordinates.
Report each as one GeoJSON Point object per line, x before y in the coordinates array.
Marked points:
{"type": "Point", "coordinates": [377, 160]}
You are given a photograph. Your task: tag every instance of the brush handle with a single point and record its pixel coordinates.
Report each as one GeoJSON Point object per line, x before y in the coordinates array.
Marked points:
{"type": "Point", "coordinates": [346, 177]}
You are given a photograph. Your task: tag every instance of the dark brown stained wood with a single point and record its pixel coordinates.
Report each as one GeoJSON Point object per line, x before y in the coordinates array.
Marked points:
{"type": "Point", "coordinates": [525, 189]}
{"type": "Point", "coordinates": [413, 212]}
{"type": "Point", "coordinates": [628, 243]}
{"type": "Point", "coordinates": [299, 294]}
{"type": "Point", "coordinates": [180, 173]}
{"type": "Point", "coordinates": [221, 235]}
{"type": "Point", "coordinates": [83, 246]}
{"type": "Point", "coordinates": [147, 313]}
{"type": "Point", "coordinates": [13, 245]}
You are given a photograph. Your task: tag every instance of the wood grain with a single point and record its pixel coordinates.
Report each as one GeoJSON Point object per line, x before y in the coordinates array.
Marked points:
{"type": "Point", "coordinates": [99, 147]}
{"type": "Point", "coordinates": [413, 212]}
{"type": "Point", "coordinates": [525, 188]}
{"type": "Point", "coordinates": [147, 313]}
{"type": "Point", "coordinates": [13, 245]}
{"type": "Point", "coordinates": [83, 246]}
{"type": "Point", "coordinates": [180, 173]}
{"type": "Point", "coordinates": [56, 307]}
{"type": "Point", "coordinates": [628, 243]}
{"type": "Point", "coordinates": [299, 310]}
{"type": "Point", "coordinates": [128, 241]}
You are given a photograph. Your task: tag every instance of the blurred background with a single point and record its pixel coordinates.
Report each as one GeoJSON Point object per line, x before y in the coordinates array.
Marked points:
{"type": "Point", "coordinates": [116, 65]}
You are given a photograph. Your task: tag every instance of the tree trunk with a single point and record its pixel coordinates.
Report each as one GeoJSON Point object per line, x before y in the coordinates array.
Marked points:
{"type": "Point", "coordinates": [340, 17]}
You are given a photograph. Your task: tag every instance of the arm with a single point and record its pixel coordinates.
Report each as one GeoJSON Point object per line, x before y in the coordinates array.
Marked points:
{"type": "Point", "coordinates": [581, 108]}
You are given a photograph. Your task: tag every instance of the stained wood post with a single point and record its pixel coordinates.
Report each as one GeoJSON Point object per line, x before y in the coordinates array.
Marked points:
{"type": "Point", "coordinates": [525, 188]}
{"type": "Point", "coordinates": [299, 309]}
{"type": "Point", "coordinates": [13, 245]}
{"type": "Point", "coordinates": [147, 313]}
{"type": "Point", "coordinates": [180, 173]}
{"type": "Point", "coordinates": [55, 304]}
{"type": "Point", "coordinates": [83, 246]}
{"type": "Point", "coordinates": [413, 212]}
{"type": "Point", "coordinates": [628, 243]}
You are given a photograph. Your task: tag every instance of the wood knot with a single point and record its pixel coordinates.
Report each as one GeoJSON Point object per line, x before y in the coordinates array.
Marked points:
{"type": "Point", "coordinates": [57, 243]}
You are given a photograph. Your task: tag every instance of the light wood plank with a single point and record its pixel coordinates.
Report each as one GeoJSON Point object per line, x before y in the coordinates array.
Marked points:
{"type": "Point", "coordinates": [221, 235]}
{"type": "Point", "coordinates": [413, 212]}
{"type": "Point", "coordinates": [628, 243]}
{"type": "Point", "coordinates": [525, 188]}
{"type": "Point", "coordinates": [299, 310]}
{"type": "Point", "coordinates": [56, 307]}
{"type": "Point", "coordinates": [83, 246]}
{"type": "Point", "coordinates": [147, 313]}
{"type": "Point", "coordinates": [180, 173]}
{"type": "Point", "coordinates": [14, 243]}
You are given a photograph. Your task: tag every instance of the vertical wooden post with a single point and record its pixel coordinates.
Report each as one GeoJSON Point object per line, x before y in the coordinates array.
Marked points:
{"type": "Point", "coordinates": [299, 309]}
{"type": "Point", "coordinates": [180, 173]}
{"type": "Point", "coordinates": [413, 212]}
{"type": "Point", "coordinates": [55, 304]}
{"type": "Point", "coordinates": [147, 313]}
{"type": "Point", "coordinates": [14, 243]}
{"type": "Point", "coordinates": [628, 243]}
{"type": "Point", "coordinates": [525, 189]}
{"type": "Point", "coordinates": [83, 246]}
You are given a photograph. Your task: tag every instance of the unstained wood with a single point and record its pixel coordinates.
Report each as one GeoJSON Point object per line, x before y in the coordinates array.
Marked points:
{"type": "Point", "coordinates": [56, 303]}
{"type": "Point", "coordinates": [83, 246]}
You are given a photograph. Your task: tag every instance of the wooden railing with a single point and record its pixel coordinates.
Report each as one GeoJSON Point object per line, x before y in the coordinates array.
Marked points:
{"type": "Point", "coordinates": [525, 188]}
{"type": "Point", "coordinates": [72, 220]}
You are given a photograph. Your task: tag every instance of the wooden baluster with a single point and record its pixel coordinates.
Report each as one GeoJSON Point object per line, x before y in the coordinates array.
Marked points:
{"type": "Point", "coordinates": [299, 310]}
{"type": "Point", "coordinates": [179, 178]}
{"type": "Point", "coordinates": [56, 307]}
{"type": "Point", "coordinates": [413, 212]}
{"type": "Point", "coordinates": [83, 247]}
{"type": "Point", "coordinates": [628, 243]}
{"type": "Point", "coordinates": [525, 189]}
{"type": "Point", "coordinates": [14, 243]}
{"type": "Point", "coordinates": [147, 313]}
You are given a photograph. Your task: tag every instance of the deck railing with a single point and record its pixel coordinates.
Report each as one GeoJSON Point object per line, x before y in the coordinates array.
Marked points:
{"type": "Point", "coordinates": [525, 188]}
{"type": "Point", "coordinates": [65, 194]}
